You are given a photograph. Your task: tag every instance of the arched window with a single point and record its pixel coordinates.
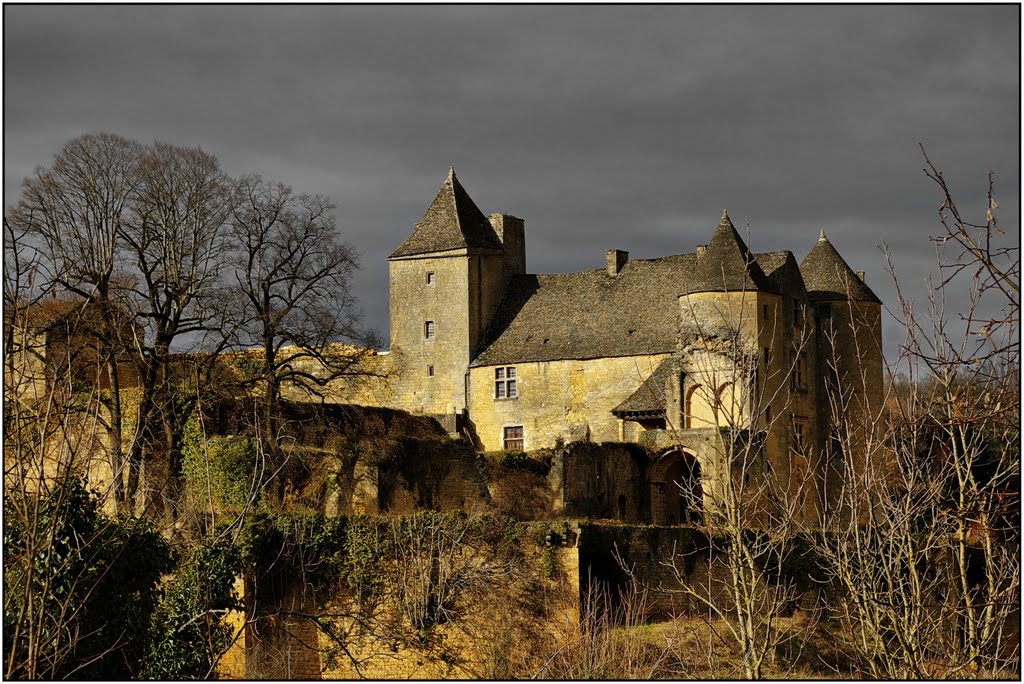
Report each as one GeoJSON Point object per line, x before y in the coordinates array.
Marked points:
{"type": "Point", "coordinates": [725, 405]}
{"type": "Point", "coordinates": [691, 399]}
{"type": "Point", "coordinates": [700, 412]}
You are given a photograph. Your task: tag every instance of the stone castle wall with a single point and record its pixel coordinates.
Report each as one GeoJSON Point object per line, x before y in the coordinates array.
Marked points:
{"type": "Point", "coordinates": [559, 401]}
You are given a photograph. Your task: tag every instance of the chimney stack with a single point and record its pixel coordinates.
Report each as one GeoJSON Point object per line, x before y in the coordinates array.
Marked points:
{"type": "Point", "coordinates": [615, 259]}
{"type": "Point", "coordinates": [512, 233]}
{"type": "Point", "coordinates": [700, 250]}
{"type": "Point", "coordinates": [860, 274]}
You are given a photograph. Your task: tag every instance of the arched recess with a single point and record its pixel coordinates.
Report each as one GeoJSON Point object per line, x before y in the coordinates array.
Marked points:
{"type": "Point", "coordinates": [727, 408]}
{"type": "Point", "coordinates": [700, 411]}
{"type": "Point", "coordinates": [676, 492]}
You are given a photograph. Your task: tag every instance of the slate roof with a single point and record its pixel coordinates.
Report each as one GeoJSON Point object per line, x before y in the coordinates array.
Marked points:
{"type": "Point", "coordinates": [771, 264]}
{"type": "Point", "coordinates": [590, 314]}
{"type": "Point", "coordinates": [452, 221]}
{"type": "Point", "coordinates": [650, 396]}
{"type": "Point", "coordinates": [829, 278]}
{"type": "Point", "coordinates": [727, 265]}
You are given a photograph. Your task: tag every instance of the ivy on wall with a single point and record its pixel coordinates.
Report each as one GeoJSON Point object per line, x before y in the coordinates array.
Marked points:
{"type": "Point", "coordinates": [225, 467]}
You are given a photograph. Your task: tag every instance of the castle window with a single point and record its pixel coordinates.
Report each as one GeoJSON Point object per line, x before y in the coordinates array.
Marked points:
{"type": "Point", "coordinates": [430, 278]}
{"type": "Point", "coordinates": [799, 434]}
{"type": "Point", "coordinates": [764, 312]}
{"type": "Point", "coordinates": [428, 330]}
{"type": "Point", "coordinates": [430, 371]}
{"type": "Point", "coordinates": [505, 384]}
{"type": "Point", "coordinates": [768, 417]}
{"type": "Point", "coordinates": [798, 380]}
{"type": "Point", "coordinates": [798, 315]}
{"type": "Point", "coordinates": [514, 438]}
{"type": "Point", "coordinates": [767, 358]}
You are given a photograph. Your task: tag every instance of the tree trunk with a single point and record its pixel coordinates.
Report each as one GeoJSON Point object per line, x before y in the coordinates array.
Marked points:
{"type": "Point", "coordinates": [116, 447]}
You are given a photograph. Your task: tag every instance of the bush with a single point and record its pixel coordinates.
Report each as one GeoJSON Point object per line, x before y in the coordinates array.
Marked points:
{"type": "Point", "coordinates": [188, 633]}
{"type": "Point", "coordinates": [79, 587]}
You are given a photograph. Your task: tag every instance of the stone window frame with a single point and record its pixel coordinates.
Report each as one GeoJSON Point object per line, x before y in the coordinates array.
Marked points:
{"type": "Point", "coordinates": [506, 382]}
{"type": "Point", "coordinates": [430, 371]}
{"type": "Point", "coordinates": [431, 277]}
{"type": "Point", "coordinates": [513, 438]}
{"type": "Point", "coordinates": [429, 330]}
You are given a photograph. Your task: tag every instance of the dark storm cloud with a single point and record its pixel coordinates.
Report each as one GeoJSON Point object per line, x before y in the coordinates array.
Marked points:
{"type": "Point", "coordinates": [625, 127]}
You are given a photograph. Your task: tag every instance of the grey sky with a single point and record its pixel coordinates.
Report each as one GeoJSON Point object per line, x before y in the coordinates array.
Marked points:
{"type": "Point", "coordinates": [627, 127]}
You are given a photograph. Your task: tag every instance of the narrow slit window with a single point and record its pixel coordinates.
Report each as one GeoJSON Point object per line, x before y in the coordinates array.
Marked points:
{"type": "Point", "coordinates": [428, 330]}
{"type": "Point", "coordinates": [431, 278]}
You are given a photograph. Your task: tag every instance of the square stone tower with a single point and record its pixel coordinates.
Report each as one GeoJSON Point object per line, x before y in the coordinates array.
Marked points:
{"type": "Point", "coordinates": [446, 282]}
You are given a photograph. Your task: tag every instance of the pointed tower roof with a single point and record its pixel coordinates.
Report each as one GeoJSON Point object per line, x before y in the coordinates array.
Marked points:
{"type": "Point", "coordinates": [452, 221]}
{"type": "Point", "coordinates": [726, 265]}
{"type": "Point", "coordinates": [828, 277]}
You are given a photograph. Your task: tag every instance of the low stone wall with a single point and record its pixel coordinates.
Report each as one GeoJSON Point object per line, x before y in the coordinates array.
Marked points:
{"type": "Point", "coordinates": [404, 475]}
{"type": "Point", "coordinates": [655, 558]}
{"type": "Point", "coordinates": [602, 481]}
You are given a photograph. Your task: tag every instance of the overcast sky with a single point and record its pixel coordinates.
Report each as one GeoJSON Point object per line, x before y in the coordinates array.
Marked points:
{"type": "Point", "coordinates": [603, 127]}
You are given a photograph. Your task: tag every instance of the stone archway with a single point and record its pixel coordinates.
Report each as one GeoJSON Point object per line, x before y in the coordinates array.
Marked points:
{"type": "Point", "coordinates": [676, 492]}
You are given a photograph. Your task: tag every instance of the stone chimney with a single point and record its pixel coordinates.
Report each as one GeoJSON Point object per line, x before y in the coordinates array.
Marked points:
{"type": "Point", "coordinates": [860, 274]}
{"type": "Point", "coordinates": [512, 233]}
{"type": "Point", "coordinates": [700, 250]}
{"type": "Point", "coordinates": [615, 259]}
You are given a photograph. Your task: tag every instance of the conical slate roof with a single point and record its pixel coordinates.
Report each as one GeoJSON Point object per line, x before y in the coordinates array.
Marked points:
{"type": "Point", "coordinates": [727, 265]}
{"type": "Point", "coordinates": [453, 221]}
{"type": "Point", "coordinates": [828, 277]}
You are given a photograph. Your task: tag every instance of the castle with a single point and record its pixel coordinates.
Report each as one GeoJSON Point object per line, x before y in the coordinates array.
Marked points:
{"type": "Point", "coordinates": [671, 352]}
{"type": "Point", "coordinates": [723, 363]}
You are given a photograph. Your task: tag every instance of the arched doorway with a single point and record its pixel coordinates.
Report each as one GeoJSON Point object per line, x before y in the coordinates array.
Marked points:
{"type": "Point", "coordinates": [676, 493]}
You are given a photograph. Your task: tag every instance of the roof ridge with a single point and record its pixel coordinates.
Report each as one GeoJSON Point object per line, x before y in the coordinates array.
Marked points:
{"type": "Point", "coordinates": [453, 180]}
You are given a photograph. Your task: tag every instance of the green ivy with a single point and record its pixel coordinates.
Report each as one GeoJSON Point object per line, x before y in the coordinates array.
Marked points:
{"type": "Point", "coordinates": [548, 562]}
{"type": "Point", "coordinates": [226, 466]}
{"type": "Point", "coordinates": [188, 632]}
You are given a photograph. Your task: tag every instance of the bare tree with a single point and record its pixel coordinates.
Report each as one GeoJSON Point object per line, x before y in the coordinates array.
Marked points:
{"type": "Point", "coordinates": [77, 584]}
{"type": "Point", "coordinates": [176, 241]}
{"type": "Point", "coordinates": [77, 208]}
{"type": "Point", "coordinates": [293, 275]}
{"type": "Point", "coordinates": [927, 575]}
